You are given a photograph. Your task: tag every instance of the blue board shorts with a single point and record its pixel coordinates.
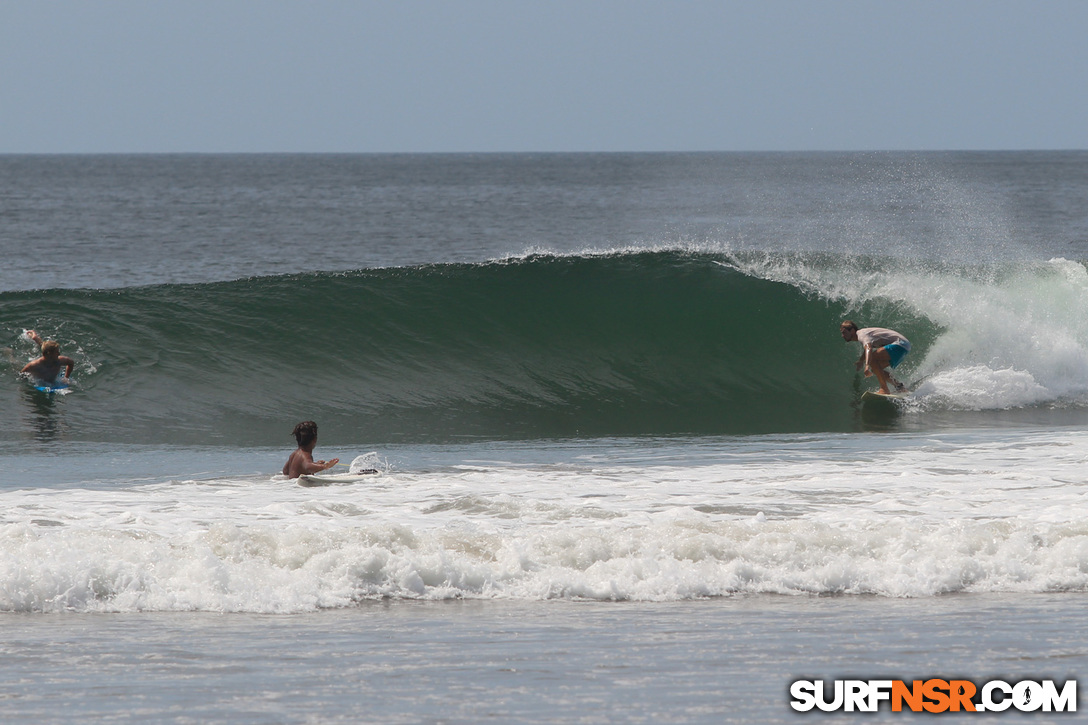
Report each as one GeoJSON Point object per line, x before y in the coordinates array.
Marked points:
{"type": "Point", "coordinates": [896, 352]}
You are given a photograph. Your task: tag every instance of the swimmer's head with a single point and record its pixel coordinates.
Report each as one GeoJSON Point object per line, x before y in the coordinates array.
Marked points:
{"type": "Point", "coordinates": [305, 432]}
{"type": "Point", "coordinates": [50, 348]}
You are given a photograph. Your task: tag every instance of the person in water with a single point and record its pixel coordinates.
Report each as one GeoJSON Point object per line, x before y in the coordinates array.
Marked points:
{"type": "Point", "coordinates": [880, 349]}
{"type": "Point", "coordinates": [47, 367]}
{"type": "Point", "coordinates": [302, 460]}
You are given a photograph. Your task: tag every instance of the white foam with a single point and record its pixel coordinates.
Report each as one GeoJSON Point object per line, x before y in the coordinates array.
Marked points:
{"type": "Point", "coordinates": [979, 387]}
{"type": "Point", "coordinates": [898, 516]}
{"type": "Point", "coordinates": [1016, 340]}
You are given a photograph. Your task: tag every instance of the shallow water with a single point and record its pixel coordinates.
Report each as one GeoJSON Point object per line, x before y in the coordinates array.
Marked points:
{"type": "Point", "coordinates": [720, 660]}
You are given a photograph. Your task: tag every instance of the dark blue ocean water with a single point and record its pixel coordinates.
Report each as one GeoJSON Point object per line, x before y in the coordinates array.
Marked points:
{"type": "Point", "coordinates": [120, 221]}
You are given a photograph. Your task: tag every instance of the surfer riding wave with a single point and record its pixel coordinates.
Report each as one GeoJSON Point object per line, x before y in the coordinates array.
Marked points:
{"type": "Point", "coordinates": [881, 349]}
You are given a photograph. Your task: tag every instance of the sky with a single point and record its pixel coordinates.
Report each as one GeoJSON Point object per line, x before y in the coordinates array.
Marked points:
{"type": "Point", "coordinates": [210, 76]}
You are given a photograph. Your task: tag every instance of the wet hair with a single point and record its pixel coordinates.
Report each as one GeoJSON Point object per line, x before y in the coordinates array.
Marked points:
{"type": "Point", "coordinates": [305, 432]}
{"type": "Point", "coordinates": [50, 348]}
{"type": "Point", "coordinates": [848, 323]}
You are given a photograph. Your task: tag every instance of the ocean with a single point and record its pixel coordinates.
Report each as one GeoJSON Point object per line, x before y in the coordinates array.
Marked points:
{"type": "Point", "coordinates": [625, 472]}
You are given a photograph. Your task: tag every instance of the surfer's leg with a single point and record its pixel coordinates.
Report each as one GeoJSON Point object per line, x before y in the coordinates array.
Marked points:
{"type": "Point", "coordinates": [895, 353]}
{"type": "Point", "coordinates": [878, 363]}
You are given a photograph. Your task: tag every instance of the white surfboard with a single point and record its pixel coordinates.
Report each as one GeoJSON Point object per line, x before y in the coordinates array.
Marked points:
{"type": "Point", "coordinates": [875, 396]}
{"type": "Point", "coordinates": [333, 479]}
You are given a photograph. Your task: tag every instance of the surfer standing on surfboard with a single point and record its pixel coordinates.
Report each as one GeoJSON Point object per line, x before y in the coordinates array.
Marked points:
{"type": "Point", "coordinates": [880, 349]}
{"type": "Point", "coordinates": [302, 460]}
{"type": "Point", "coordinates": [47, 367]}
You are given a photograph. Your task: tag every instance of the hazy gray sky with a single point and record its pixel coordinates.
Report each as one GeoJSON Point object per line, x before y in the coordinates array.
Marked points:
{"type": "Point", "coordinates": [557, 75]}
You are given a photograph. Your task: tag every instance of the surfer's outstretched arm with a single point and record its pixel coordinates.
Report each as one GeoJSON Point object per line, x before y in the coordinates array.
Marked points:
{"type": "Point", "coordinates": [300, 462]}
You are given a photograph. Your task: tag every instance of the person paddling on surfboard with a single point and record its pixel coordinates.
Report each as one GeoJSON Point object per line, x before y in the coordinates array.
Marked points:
{"type": "Point", "coordinates": [47, 368]}
{"type": "Point", "coordinates": [880, 349]}
{"type": "Point", "coordinates": [302, 460]}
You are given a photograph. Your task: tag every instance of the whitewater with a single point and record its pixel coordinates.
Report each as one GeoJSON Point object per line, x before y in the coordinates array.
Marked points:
{"type": "Point", "coordinates": [646, 520]}
{"type": "Point", "coordinates": [625, 472]}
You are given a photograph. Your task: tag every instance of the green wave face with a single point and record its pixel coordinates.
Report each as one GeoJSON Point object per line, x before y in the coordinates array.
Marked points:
{"type": "Point", "coordinates": [636, 343]}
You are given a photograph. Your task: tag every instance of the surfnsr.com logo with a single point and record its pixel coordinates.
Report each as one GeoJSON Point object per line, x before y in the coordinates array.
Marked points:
{"type": "Point", "coordinates": [934, 695]}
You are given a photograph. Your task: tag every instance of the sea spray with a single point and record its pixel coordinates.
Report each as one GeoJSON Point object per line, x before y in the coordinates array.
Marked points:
{"type": "Point", "coordinates": [1001, 335]}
